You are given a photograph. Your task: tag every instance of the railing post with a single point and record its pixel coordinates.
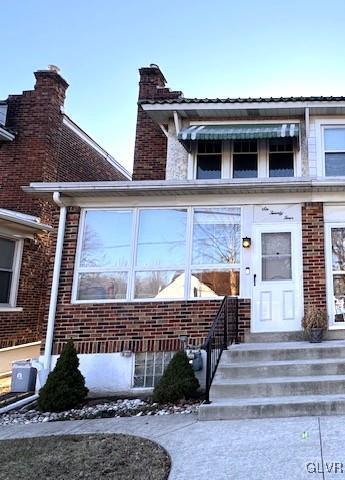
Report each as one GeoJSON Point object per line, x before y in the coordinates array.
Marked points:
{"type": "Point", "coordinates": [208, 370]}
{"type": "Point", "coordinates": [225, 339]}
{"type": "Point", "coordinates": [237, 340]}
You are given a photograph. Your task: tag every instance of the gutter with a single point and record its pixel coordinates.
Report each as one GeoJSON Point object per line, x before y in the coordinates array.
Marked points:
{"type": "Point", "coordinates": [54, 287]}
{"type": "Point", "coordinates": [20, 403]}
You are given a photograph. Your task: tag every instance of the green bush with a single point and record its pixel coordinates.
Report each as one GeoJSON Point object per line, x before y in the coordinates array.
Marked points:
{"type": "Point", "coordinates": [65, 385]}
{"type": "Point", "coordinates": [178, 381]}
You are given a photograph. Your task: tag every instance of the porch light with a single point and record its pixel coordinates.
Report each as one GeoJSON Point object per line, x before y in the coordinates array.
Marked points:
{"type": "Point", "coordinates": [246, 242]}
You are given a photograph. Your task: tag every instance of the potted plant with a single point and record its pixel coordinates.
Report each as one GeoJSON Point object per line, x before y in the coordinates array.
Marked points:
{"type": "Point", "coordinates": [314, 323]}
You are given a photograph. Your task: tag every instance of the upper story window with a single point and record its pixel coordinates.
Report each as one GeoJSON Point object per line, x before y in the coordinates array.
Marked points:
{"type": "Point", "coordinates": [209, 160]}
{"type": "Point", "coordinates": [281, 157]}
{"type": "Point", "coordinates": [9, 271]}
{"type": "Point", "coordinates": [245, 159]}
{"type": "Point", "coordinates": [253, 158]}
{"type": "Point", "coordinates": [334, 150]}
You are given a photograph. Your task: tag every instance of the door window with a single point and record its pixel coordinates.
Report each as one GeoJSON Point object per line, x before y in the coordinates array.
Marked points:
{"type": "Point", "coordinates": [276, 256]}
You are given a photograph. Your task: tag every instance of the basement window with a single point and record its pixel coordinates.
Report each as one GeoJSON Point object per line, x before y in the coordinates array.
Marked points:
{"type": "Point", "coordinates": [149, 368]}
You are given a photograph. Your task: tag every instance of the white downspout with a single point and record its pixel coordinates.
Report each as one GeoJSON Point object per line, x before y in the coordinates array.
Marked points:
{"type": "Point", "coordinates": [55, 284]}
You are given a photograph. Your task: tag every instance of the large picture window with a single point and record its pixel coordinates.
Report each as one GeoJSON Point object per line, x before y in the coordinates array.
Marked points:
{"type": "Point", "coordinates": [338, 272]}
{"type": "Point", "coordinates": [163, 253]}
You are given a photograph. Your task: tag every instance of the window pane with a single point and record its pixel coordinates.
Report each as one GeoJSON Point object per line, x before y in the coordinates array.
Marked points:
{"type": "Point", "coordinates": [97, 286]}
{"type": "Point", "coordinates": [6, 253]}
{"type": "Point", "coordinates": [245, 165]}
{"type": "Point", "coordinates": [216, 236]}
{"type": "Point", "coordinates": [244, 146]}
{"type": "Point", "coordinates": [276, 256]}
{"type": "Point", "coordinates": [281, 165]}
{"type": "Point", "coordinates": [209, 146]}
{"type": "Point", "coordinates": [334, 138]}
{"type": "Point", "coordinates": [159, 284]}
{"type": "Point", "coordinates": [106, 239]}
{"type": "Point", "coordinates": [339, 297]}
{"type": "Point", "coordinates": [281, 145]}
{"type": "Point", "coordinates": [338, 248]}
{"type": "Point", "coordinates": [210, 283]}
{"type": "Point", "coordinates": [5, 286]}
{"type": "Point", "coordinates": [162, 238]}
{"type": "Point", "coordinates": [209, 167]}
{"type": "Point", "coordinates": [335, 164]}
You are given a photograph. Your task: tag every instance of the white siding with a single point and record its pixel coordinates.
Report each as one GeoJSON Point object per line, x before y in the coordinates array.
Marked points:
{"type": "Point", "coordinates": [177, 157]}
{"type": "Point", "coordinates": [312, 155]}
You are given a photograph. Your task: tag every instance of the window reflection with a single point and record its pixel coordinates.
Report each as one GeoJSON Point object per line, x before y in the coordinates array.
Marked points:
{"type": "Point", "coordinates": [159, 284]}
{"type": "Point", "coordinates": [106, 240]}
{"type": "Point", "coordinates": [208, 283]}
{"type": "Point", "coordinates": [216, 236]}
{"type": "Point", "coordinates": [102, 286]}
{"type": "Point", "coordinates": [162, 238]}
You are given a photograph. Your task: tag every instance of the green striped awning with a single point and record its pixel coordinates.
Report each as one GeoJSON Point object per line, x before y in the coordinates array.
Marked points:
{"type": "Point", "coordinates": [238, 132]}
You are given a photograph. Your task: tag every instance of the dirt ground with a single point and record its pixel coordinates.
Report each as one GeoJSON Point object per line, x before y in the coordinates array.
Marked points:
{"type": "Point", "coordinates": [118, 457]}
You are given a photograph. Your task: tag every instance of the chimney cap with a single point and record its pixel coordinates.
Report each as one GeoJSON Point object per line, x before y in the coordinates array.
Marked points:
{"type": "Point", "coordinates": [54, 68]}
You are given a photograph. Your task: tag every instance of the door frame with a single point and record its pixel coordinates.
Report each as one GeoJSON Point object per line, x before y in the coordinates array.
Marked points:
{"type": "Point", "coordinates": [332, 325]}
{"type": "Point", "coordinates": [296, 264]}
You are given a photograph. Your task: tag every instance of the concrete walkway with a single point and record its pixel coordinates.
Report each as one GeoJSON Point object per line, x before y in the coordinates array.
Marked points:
{"type": "Point", "coordinates": [225, 450]}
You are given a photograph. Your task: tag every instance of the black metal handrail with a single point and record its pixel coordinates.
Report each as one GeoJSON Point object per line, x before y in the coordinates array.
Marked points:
{"type": "Point", "coordinates": [223, 332]}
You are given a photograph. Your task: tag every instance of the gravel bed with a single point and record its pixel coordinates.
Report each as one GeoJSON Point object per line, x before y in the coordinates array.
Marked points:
{"type": "Point", "coordinates": [94, 457]}
{"type": "Point", "coordinates": [99, 409]}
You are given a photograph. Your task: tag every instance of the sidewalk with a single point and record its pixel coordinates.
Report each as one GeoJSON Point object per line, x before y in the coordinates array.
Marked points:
{"type": "Point", "coordinates": [222, 450]}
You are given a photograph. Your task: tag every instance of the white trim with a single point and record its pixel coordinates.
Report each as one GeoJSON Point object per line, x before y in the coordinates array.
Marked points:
{"type": "Point", "coordinates": [5, 135]}
{"type": "Point", "coordinates": [22, 345]}
{"type": "Point", "coordinates": [152, 107]}
{"type": "Point", "coordinates": [11, 309]}
{"type": "Point", "coordinates": [30, 221]}
{"type": "Point", "coordinates": [320, 125]}
{"type": "Point", "coordinates": [278, 121]}
{"type": "Point", "coordinates": [85, 137]}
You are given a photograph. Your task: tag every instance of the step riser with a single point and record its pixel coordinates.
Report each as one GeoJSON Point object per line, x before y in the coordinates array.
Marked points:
{"type": "Point", "coordinates": [301, 369]}
{"type": "Point", "coordinates": [225, 412]}
{"type": "Point", "coordinates": [224, 391]}
{"type": "Point", "coordinates": [240, 356]}
{"type": "Point", "coordinates": [289, 336]}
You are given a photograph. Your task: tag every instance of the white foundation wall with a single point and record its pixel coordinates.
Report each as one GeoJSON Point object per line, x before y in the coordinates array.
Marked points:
{"type": "Point", "coordinates": [111, 373]}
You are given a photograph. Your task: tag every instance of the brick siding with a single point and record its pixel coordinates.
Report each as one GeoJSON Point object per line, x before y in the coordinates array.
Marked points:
{"type": "Point", "coordinates": [43, 150]}
{"type": "Point", "coordinates": [313, 247]}
{"type": "Point", "coordinates": [136, 326]}
{"type": "Point", "coordinates": [150, 151]}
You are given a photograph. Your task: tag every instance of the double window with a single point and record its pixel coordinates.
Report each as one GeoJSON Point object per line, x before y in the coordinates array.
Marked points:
{"type": "Point", "coordinates": [170, 253]}
{"type": "Point", "coordinates": [245, 158]}
{"type": "Point", "coordinates": [9, 271]}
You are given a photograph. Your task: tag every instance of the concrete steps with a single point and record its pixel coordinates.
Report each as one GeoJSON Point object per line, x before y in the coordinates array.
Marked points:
{"type": "Point", "coordinates": [278, 379]}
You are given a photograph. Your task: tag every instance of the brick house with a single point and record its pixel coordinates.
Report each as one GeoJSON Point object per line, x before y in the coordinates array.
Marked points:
{"type": "Point", "coordinates": [238, 197]}
{"type": "Point", "coordinates": [38, 142]}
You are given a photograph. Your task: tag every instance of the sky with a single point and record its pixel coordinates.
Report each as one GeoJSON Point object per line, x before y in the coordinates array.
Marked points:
{"type": "Point", "coordinates": [218, 48]}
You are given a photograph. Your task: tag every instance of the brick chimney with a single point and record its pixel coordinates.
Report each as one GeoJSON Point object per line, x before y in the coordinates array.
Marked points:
{"type": "Point", "coordinates": [51, 85]}
{"type": "Point", "coordinates": [150, 149]}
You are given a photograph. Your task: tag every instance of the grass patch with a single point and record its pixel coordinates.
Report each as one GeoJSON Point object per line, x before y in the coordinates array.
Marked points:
{"type": "Point", "coordinates": [120, 457]}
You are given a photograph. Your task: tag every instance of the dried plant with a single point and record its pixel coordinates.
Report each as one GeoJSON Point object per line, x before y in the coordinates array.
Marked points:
{"type": "Point", "coordinates": [315, 317]}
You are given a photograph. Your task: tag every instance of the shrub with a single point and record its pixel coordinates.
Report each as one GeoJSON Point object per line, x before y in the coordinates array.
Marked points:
{"type": "Point", "coordinates": [178, 381]}
{"type": "Point", "coordinates": [315, 318]}
{"type": "Point", "coordinates": [65, 385]}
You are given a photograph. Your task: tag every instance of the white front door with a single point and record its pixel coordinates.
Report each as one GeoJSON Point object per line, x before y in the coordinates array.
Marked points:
{"type": "Point", "coordinates": [277, 278]}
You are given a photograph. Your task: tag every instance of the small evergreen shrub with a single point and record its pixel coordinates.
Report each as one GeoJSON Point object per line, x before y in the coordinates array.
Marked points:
{"type": "Point", "coordinates": [178, 381]}
{"type": "Point", "coordinates": [65, 385]}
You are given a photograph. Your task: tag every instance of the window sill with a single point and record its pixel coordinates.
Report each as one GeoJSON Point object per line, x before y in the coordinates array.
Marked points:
{"type": "Point", "coordinates": [11, 309]}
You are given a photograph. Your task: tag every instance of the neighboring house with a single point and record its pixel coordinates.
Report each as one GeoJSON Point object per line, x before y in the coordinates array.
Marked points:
{"type": "Point", "coordinates": [241, 197]}
{"type": "Point", "coordinates": [38, 142]}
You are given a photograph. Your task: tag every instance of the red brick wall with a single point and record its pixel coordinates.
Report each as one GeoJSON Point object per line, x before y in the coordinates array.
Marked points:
{"type": "Point", "coordinates": [314, 269]}
{"type": "Point", "coordinates": [142, 326]}
{"type": "Point", "coordinates": [43, 150]}
{"type": "Point", "coordinates": [78, 161]}
{"type": "Point", "coordinates": [150, 150]}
